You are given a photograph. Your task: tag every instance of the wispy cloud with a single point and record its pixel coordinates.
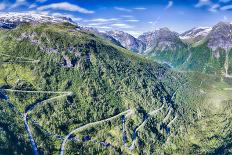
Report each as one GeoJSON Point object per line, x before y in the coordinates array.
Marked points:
{"type": "Point", "coordinates": [32, 6]}
{"type": "Point", "coordinates": [122, 9]}
{"type": "Point", "coordinates": [210, 5]}
{"type": "Point", "coordinates": [122, 25]}
{"type": "Point", "coordinates": [169, 5]}
{"type": "Point", "coordinates": [65, 6]}
{"type": "Point", "coordinates": [203, 3]}
{"type": "Point", "coordinates": [227, 7]}
{"type": "Point", "coordinates": [214, 8]}
{"type": "Point", "coordinates": [19, 3]}
{"type": "Point", "coordinates": [102, 20]}
{"type": "Point", "coordinates": [132, 20]}
{"type": "Point", "coordinates": [140, 8]}
{"type": "Point", "coordinates": [103, 27]}
{"type": "Point", "coordinates": [2, 6]}
{"type": "Point", "coordinates": [96, 24]}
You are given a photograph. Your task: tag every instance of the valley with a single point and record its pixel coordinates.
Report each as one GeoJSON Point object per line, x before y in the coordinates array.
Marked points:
{"type": "Point", "coordinates": [90, 96]}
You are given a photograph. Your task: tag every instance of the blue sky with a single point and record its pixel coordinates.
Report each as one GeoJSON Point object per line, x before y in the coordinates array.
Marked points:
{"type": "Point", "coordinates": [133, 16]}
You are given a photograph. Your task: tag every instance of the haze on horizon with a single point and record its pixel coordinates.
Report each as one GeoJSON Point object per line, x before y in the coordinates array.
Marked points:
{"type": "Point", "coordinates": [132, 16]}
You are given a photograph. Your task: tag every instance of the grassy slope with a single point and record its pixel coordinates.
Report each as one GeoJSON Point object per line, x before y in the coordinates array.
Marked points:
{"type": "Point", "coordinates": [113, 81]}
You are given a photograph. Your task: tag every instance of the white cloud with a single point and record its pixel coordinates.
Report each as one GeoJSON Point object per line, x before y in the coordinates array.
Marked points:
{"type": "Point", "coordinates": [122, 25]}
{"type": "Point", "coordinates": [19, 3]}
{"type": "Point", "coordinates": [227, 7]}
{"type": "Point", "coordinates": [65, 6]}
{"type": "Point", "coordinates": [96, 24]}
{"type": "Point", "coordinates": [2, 6]}
{"type": "Point", "coordinates": [103, 27]}
{"type": "Point", "coordinates": [140, 8]}
{"type": "Point", "coordinates": [203, 3]}
{"type": "Point", "coordinates": [170, 4]}
{"type": "Point", "coordinates": [32, 6]}
{"type": "Point", "coordinates": [102, 20]}
{"type": "Point", "coordinates": [214, 8]}
{"type": "Point", "coordinates": [122, 9]}
{"type": "Point", "coordinates": [132, 20]}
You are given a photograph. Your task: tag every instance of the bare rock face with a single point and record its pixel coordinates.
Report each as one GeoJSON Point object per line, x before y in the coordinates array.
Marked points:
{"type": "Point", "coordinates": [128, 41]}
{"type": "Point", "coordinates": [195, 35]}
{"type": "Point", "coordinates": [161, 39]}
{"type": "Point", "coordinates": [220, 37]}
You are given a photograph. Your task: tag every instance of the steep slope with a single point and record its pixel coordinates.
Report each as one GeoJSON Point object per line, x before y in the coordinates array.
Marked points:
{"type": "Point", "coordinates": [128, 41]}
{"type": "Point", "coordinates": [213, 54]}
{"type": "Point", "coordinates": [206, 50]}
{"type": "Point", "coordinates": [121, 103]}
{"type": "Point", "coordinates": [162, 39]}
{"type": "Point", "coordinates": [195, 35]}
{"type": "Point", "coordinates": [165, 46]}
{"type": "Point", "coordinates": [103, 35]}
{"type": "Point", "coordinates": [220, 37]}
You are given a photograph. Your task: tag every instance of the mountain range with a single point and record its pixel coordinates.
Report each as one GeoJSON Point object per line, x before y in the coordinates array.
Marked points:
{"type": "Point", "coordinates": [162, 45]}
{"type": "Point", "coordinates": [212, 46]}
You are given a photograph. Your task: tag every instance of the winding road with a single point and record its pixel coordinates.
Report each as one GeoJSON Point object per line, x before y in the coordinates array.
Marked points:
{"type": "Point", "coordinates": [25, 115]}
{"type": "Point", "coordinates": [142, 125]}
{"type": "Point", "coordinates": [172, 121]}
{"type": "Point", "coordinates": [88, 126]}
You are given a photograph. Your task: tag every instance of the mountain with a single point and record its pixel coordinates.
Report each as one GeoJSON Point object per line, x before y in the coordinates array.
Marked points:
{"type": "Point", "coordinates": [162, 39]}
{"type": "Point", "coordinates": [164, 46]}
{"type": "Point", "coordinates": [195, 35]}
{"type": "Point", "coordinates": [41, 60]}
{"type": "Point", "coordinates": [202, 49]}
{"type": "Point", "coordinates": [103, 35]}
{"type": "Point", "coordinates": [220, 36]}
{"type": "Point", "coordinates": [70, 90]}
{"type": "Point", "coordinates": [213, 53]}
{"type": "Point", "coordinates": [128, 41]}
{"type": "Point", "coordinates": [13, 19]}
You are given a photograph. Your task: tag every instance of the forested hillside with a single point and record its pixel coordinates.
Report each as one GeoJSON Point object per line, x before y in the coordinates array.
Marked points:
{"type": "Point", "coordinates": [75, 93]}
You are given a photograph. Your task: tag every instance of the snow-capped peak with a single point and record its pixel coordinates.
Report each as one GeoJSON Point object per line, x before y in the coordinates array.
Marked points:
{"type": "Point", "coordinates": [12, 19]}
{"type": "Point", "coordinates": [198, 32]}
